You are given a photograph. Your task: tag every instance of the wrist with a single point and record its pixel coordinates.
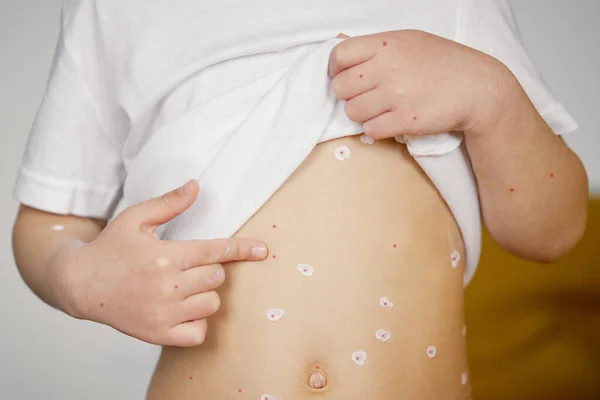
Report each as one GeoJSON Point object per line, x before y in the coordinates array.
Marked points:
{"type": "Point", "coordinates": [492, 96]}
{"type": "Point", "coordinates": [63, 278]}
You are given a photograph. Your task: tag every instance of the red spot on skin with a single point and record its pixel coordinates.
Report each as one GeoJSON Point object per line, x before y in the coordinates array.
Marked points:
{"type": "Point", "coordinates": [357, 358]}
{"type": "Point", "coordinates": [385, 43]}
{"type": "Point", "coordinates": [272, 315]}
{"type": "Point", "coordinates": [395, 246]}
{"type": "Point", "coordinates": [239, 390]}
{"type": "Point", "coordinates": [360, 76]}
{"type": "Point", "coordinates": [317, 367]}
{"type": "Point", "coordinates": [414, 118]}
{"type": "Point", "coordinates": [101, 304]}
{"type": "Point", "coordinates": [274, 226]}
{"type": "Point", "coordinates": [385, 304]}
{"type": "Point", "coordinates": [274, 256]}
{"type": "Point", "coordinates": [511, 190]}
{"type": "Point", "coordinates": [551, 175]}
{"type": "Point", "coordinates": [190, 378]}
{"type": "Point", "coordinates": [176, 286]}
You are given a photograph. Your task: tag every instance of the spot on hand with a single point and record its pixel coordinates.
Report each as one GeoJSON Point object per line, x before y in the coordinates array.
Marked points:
{"type": "Point", "coordinates": [267, 397]}
{"type": "Point", "coordinates": [274, 226]}
{"type": "Point", "coordinates": [415, 118]}
{"type": "Point", "coordinates": [384, 43]}
{"type": "Point", "coordinates": [101, 304]}
{"type": "Point", "coordinates": [511, 190]}
{"type": "Point", "coordinates": [360, 76]}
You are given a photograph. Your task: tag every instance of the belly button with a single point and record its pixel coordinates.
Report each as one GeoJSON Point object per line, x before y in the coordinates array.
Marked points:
{"type": "Point", "coordinates": [317, 378]}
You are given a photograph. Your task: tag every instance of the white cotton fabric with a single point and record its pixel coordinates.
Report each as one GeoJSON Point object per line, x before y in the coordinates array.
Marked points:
{"type": "Point", "coordinates": [146, 94]}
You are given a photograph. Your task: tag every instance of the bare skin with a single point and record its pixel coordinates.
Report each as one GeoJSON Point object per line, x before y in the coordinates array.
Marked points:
{"type": "Point", "coordinates": [371, 226]}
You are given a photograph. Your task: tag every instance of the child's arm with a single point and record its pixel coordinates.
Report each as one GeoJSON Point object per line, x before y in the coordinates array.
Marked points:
{"type": "Point", "coordinates": [533, 188]}
{"type": "Point", "coordinates": [35, 244]}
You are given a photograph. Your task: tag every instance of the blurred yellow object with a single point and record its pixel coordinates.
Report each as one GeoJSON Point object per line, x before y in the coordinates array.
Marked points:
{"type": "Point", "coordinates": [533, 330]}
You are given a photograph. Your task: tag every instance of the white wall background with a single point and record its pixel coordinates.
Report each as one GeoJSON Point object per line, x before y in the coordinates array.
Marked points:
{"type": "Point", "coordinates": [45, 355]}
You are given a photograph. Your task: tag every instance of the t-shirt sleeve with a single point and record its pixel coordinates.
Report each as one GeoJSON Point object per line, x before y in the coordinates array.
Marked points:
{"type": "Point", "coordinates": [72, 163]}
{"type": "Point", "coordinates": [489, 26]}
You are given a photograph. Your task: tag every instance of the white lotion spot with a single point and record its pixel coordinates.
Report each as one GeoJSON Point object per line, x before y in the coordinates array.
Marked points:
{"type": "Point", "coordinates": [464, 378]}
{"type": "Point", "coordinates": [227, 251]}
{"type": "Point", "coordinates": [306, 269]}
{"type": "Point", "coordinates": [267, 397]}
{"type": "Point", "coordinates": [342, 152]}
{"type": "Point", "coordinates": [455, 258]}
{"type": "Point", "coordinates": [431, 351]}
{"type": "Point", "coordinates": [57, 227]}
{"type": "Point", "coordinates": [366, 139]}
{"type": "Point", "coordinates": [275, 314]}
{"type": "Point", "coordinates": [359, 357]}
{"type": "Point", "coordinates": [385, 302]}
{"type": "Point", "coordinates": [383, 335]}
{"type": "Point", "coordinates": [464, 330]}
{"type": "Point", "coordinates": [163, 261]}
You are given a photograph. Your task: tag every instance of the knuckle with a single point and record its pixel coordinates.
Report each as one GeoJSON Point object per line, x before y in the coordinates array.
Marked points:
{"type": "Point", "coordinates": [165, 201]}
{"type": "Point", "coordinates": [208, 253]}
{"type": "Point", "coordinates": [239, 253]}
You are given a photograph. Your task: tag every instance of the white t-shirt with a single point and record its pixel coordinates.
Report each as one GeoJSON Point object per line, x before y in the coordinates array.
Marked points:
{"type": "Point", "coordinates": [146, 94]}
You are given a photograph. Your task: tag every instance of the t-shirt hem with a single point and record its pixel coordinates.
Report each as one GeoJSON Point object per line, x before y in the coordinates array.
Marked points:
{"type": "Point", "coordinates": [559, 119]}
{"type": "Point", "coordinates": [61, 196]}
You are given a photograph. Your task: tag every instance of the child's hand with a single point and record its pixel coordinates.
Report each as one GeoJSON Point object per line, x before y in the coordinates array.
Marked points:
{"type": "Point", "coordinates": [159, 291]}
{"type": "Point", "coordinates": [412, 83]}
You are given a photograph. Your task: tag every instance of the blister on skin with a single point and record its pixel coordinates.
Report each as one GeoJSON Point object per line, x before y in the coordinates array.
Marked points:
{"type": "Point", "coordinates": [385, 302]}
{"type": "Point", "coordinates": [455, 258]}
{"type": "Point", "coordinates": [359, 357]}
{"type": "Point", "coordinates": [383, 335]}
{"type": "Point", "coordinates": [342, 153]}
{"type": "Point", "coordinates": [306, 269]}
{"type": "Point", "coordinates": [431, 351]}
{"type": "Point", "coordinates": [275, 314]}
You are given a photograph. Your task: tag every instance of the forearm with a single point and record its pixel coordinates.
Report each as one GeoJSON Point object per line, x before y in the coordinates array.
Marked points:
{"type": "Point", "coordinates": [533, 188]}
{"type": "Point", "coordinates": [38, 250]}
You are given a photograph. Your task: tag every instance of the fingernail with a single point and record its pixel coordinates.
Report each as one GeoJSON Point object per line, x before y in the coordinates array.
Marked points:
{"type": "Point", "coordinates": [259, 251]}
{"type": "Point", "coordinates": [187, 188]}
{"type": "Point", "coordinates": [215, 278]}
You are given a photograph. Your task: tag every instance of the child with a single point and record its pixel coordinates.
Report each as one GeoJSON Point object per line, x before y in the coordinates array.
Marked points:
{"type": "Point", "coordinates": [297, 140]}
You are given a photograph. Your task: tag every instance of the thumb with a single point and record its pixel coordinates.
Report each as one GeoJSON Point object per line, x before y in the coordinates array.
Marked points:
{"type": "Point", "coordinates": [160, 210]}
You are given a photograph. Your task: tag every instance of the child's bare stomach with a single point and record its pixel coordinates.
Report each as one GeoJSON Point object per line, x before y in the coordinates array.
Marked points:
{"type": "Point", "coordinates": [368, 231]}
